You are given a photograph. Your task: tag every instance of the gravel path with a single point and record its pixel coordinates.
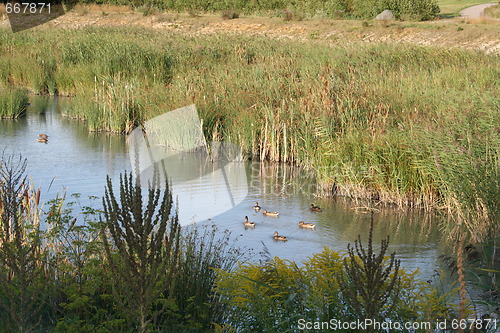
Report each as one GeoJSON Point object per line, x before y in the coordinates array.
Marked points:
{"type": "Point", "coordinates": [476, 11]}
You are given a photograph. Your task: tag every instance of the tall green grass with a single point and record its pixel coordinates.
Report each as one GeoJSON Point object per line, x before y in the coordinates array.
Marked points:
{"type": "Point", "coordinates": [13, 103]}
{"type": "Point", "coordinates": [369, 119]}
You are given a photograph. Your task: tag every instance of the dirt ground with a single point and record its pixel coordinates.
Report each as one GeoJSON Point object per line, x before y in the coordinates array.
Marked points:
{"type": "Point", "coordinates": [482, 34]}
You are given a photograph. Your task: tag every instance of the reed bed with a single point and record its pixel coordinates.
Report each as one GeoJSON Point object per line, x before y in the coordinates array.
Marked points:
{"type": "Point", "coordinates": [13, 103]}
{"type": "Point", "coordinates": [373, 121]}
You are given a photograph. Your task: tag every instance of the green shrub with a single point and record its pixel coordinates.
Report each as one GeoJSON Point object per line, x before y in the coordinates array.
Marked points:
{"type": "Point", "coordinates": [278, 295]}
{"type": "Point", "coordinates": [229, 14]}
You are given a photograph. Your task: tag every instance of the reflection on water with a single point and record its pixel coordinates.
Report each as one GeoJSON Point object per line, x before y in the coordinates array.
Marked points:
{"type": "Point", "coordinates": [75, 160]}
{"type": "Point", "coordinates": [289, 190]}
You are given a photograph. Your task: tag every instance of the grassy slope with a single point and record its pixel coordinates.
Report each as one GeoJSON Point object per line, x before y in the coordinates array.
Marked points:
{"type": "Point", "coordinates": [451, 8]}
{"type": "Point", "coordinates": [493, 11]}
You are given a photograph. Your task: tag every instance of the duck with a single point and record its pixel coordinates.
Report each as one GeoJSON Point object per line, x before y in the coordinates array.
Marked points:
{"type": "Point", "coordinates": [279, 237]}
{"type": "Point", "coordinates": [248, 223]}
{"type": "Point", "coordinates": [315, 208]}
{"type": "Point", "coordinates": [44, 136]}
{"type": "Point", "coordinates": [256, 207]}
{"type": "Point", "coordinates": [273, 214]}
{"type": "Point", "coordinates": [302, 224]}
{"type": "Point", "coordinates": [42, 140]}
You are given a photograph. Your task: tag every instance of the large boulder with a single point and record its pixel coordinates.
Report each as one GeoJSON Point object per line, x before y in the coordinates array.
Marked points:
{"type": "Point", "coordinates": [386, 15]}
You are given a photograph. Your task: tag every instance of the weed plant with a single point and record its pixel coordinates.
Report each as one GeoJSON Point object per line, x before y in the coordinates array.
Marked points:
{"type": "Point", "coordinates": [493, 11]}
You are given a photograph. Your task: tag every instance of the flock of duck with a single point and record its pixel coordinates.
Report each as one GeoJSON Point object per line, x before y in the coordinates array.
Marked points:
{"type": "Point", "coordinates": [276, 236]}
{"type": "Point", "coordinates": [43, 138]}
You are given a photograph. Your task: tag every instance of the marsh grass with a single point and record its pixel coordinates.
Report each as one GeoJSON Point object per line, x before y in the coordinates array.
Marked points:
{"type": "Point", "coordinates": [356, 114]}
{"type": "Point", "coordinates": [13, 103]}
{"type": "Point", "coordinates": [206, 250]}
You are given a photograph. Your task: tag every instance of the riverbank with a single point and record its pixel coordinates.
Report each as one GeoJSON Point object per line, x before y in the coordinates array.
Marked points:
{"type": "Point", "coordinates": [394, 123]}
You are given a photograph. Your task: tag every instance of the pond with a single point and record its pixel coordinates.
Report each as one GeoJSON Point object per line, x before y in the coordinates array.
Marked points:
{"type": "Point", "coordinates": [77, 161]}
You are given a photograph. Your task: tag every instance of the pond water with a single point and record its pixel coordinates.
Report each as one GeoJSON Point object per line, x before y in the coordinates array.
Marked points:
{"type": "Point", "coordinates": [77, 161]}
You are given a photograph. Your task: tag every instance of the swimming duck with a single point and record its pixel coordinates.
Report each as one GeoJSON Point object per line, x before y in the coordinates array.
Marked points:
{"type": "Point", "coordinates": [44, 136]}
{"type": "Point", "coordinates": [314, 208]}
{"type": "Point", "coordinates": [302, 224]}
{"type": "Point", "coordinates": [273, 214]}
{"type": "Point", "coordinates": [42, 140]}
{"type": "Point", "coordinates": [279, 237]}
{"type": "Point", "coordinates": [256, 207]}
{"type": "Point", "coordinates": [248, 223]}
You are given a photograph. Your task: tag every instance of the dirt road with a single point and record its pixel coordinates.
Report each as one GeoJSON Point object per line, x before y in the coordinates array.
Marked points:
{"type": "Point", "coordinates": [476, 11]}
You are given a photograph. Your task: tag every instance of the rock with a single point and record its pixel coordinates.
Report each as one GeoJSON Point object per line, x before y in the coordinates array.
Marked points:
{"type": "Point", "coordinates": [385, 15]}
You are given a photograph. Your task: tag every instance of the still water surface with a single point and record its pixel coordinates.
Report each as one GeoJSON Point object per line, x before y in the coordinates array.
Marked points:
{"type": "Point", "coordinates": [76, 161]}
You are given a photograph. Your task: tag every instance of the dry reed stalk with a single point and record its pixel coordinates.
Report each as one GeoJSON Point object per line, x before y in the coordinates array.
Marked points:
{"type": "Point", "coordinates": [461, 280]}
{"type": "Point", "coordinates": [285, 144]}
{"type": "Point", "coordinates": [264, 144]}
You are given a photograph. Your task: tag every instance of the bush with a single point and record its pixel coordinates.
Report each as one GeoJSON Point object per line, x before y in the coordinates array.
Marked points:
{"type": "Point", "coordinates": [366, 9]}
{"type": "Point", "coordinates": [419, 10]}
{"type": "Point", "coordinates": [278, 295]}
{"type": "Point", "coordinates": [230, 14]}
{"type": "Point", "coordinates": [291, 15]}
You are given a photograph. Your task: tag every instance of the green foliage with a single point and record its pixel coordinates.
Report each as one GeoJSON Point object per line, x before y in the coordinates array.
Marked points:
{"type": "Point", "coordinates": [82, 292]}
{"type": "Point", "coordinates": [13, 103]}
{"type": "Point", "coordinates": [274, 296]}
{"type": "Point", "coordinates": [420, 10]}
{"type": "Point", "coordinates": [204, 252]}
{"type": "Point", "coordinates": [142, 247]}
{"type": "Point", "coordinates": [371, 284]}
{"type": "Point", "coordinates": [413, 9]}
{"type": "Point", "coordinates": [23, 282]}
{"type": "Point", "coordinates": [466, 161]}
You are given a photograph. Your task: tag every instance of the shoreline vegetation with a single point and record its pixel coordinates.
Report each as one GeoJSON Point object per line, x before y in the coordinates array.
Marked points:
{"type": "Point", "coordinates": [13, 103]}
{"type": "Point", "coordinates": [398, 124]}
{"type": "Point", "coordinates": [132, 268]}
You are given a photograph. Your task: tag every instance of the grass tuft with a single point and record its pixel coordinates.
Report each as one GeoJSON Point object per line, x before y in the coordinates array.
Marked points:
{"type": "Point", "coordinates": [13, 103]}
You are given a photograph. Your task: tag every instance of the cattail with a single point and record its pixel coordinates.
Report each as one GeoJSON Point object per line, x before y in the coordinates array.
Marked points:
{"type": "Point", "coordinates": [37, 198]}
